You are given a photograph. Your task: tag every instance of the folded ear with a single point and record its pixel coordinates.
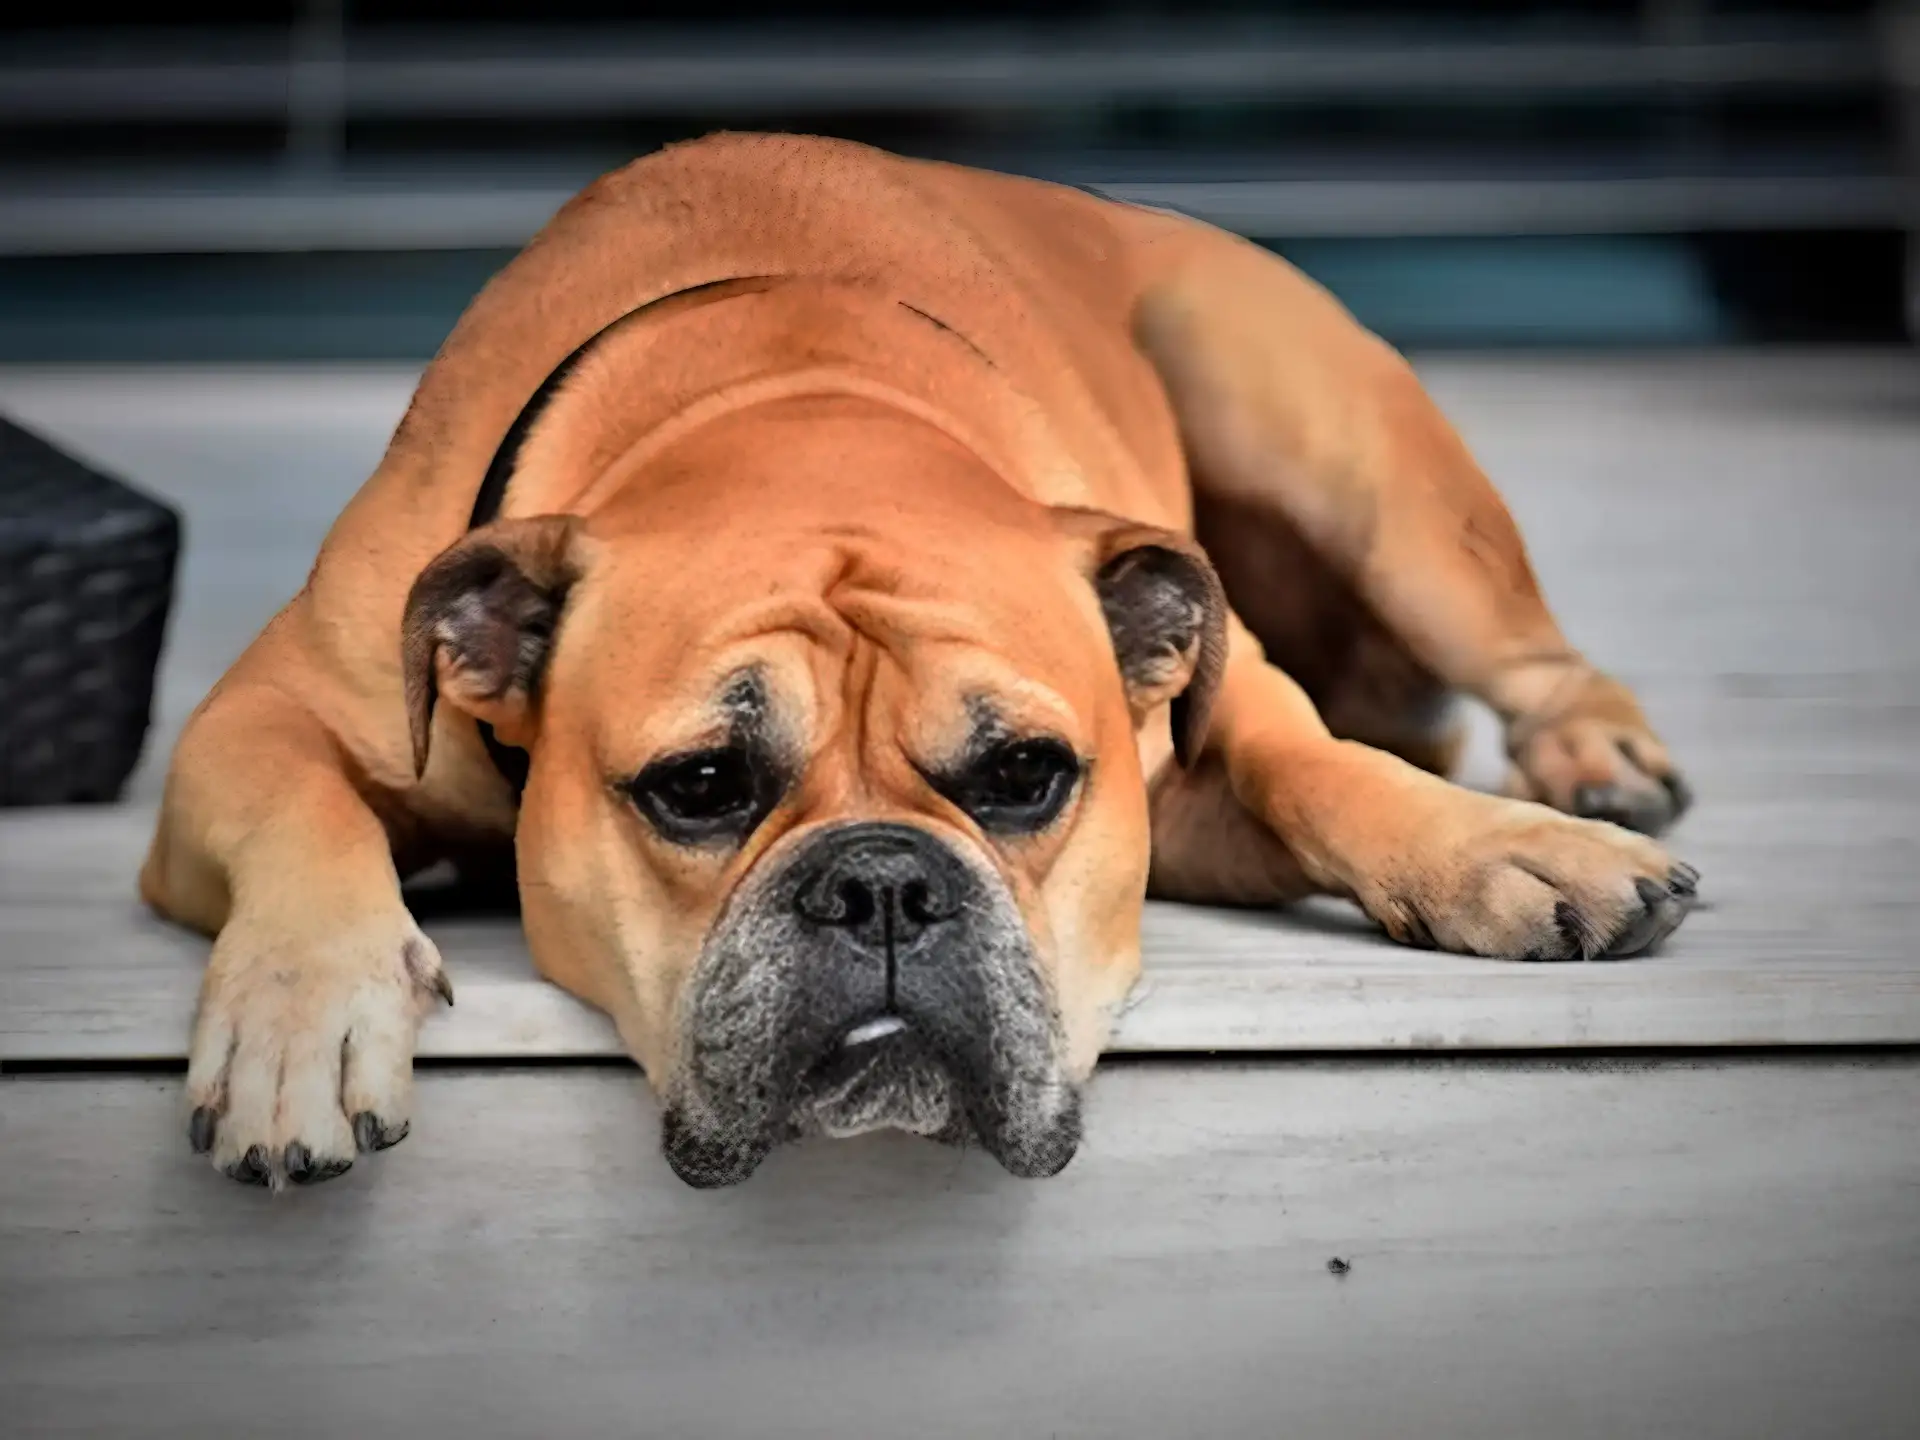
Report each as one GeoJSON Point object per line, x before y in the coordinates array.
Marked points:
{"type": "Point", "coordinates": [480, 620]}
{"type": "Point", "coordinates": [1166, 613]}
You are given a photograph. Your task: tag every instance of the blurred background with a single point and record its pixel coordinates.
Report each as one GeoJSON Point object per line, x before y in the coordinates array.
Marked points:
{"type": "Point", "coordinates": [332, 179]}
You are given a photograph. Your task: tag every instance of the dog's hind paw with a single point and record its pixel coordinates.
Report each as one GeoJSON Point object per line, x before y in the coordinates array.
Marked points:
{"type": "Point", "coordinates": [1596, 758]}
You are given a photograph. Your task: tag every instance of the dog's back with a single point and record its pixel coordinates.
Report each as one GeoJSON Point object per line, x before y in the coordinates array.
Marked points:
{"type": "Point", "coordinates": [1041, 276]}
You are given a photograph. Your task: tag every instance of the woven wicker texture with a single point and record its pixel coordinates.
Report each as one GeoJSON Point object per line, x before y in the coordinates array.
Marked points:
{"type": "Point", "coordinates": [86, 579]}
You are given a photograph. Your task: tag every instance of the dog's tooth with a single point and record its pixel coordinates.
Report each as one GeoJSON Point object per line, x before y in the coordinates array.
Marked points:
{"type": "Point", "coordinates": [877, 1029]}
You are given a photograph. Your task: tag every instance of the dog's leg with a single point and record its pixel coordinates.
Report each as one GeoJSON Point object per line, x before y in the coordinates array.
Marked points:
{"type": "Point", "coordinates": [1275, 806]}
{"type": "Point", "coordinates": [302, 1052]}
{"type": "Point", "coordinates": [1362, 679]}
{"type": "Point", "coordinates": [1290, 411]}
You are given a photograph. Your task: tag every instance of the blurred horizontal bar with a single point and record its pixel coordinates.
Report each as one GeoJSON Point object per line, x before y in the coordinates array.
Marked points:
{"type": "Point", "coordinates": [714, 72]}
{"type": "Point", "coordinates": [1545, 206]}
{"type": "Point", "coordinates": [399, 305]}
{"type": "Point", "coordinates": [142, 217]}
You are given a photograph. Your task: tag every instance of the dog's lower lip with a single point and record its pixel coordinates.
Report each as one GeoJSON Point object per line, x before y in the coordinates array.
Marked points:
{"type": "Point", "coordinates": [868, 1031]}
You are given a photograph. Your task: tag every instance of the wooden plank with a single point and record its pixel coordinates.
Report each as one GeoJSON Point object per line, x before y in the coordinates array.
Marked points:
{"type": "Point", "coordinates": [1798, 946]}
{"type": "Point", "coordinates": [1571, 1251]}
{"type": "Point", "coordinates": [1734, 535]}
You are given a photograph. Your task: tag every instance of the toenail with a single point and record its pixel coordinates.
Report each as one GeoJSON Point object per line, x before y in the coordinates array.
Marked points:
{"type": "Point", "coordinates": [252, 1168]}
{"type": "Point", "coordinates": [370, 1134]}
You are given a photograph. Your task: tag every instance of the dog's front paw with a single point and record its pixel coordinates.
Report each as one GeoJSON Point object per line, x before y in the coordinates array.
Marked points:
{"type": "Point", "coordinates": [302, 1053]}
{"type": "Point", "coordinates": [1596, 757]}
{"type": "Point", "coordinates": [1520, 882]}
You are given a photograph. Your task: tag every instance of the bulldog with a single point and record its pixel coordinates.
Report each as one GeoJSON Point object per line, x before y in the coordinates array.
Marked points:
{"type": "Point", "coordinates": [851, 585]}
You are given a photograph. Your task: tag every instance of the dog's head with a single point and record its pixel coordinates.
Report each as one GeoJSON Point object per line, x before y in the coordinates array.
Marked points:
{"type": "Point", "coordinates": [836, 798]}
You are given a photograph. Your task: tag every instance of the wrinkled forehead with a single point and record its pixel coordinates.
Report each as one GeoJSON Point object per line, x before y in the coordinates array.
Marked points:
{"type": "Point", "coordinates": [798, 639]}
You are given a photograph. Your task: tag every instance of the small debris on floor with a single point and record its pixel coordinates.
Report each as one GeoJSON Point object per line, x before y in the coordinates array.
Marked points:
{"type": "Point", "coordinates": [1337, 1266]}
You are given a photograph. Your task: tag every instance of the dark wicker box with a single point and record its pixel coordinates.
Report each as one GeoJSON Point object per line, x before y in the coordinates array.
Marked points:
{"type": "Point", "coordinates": [86, 579]}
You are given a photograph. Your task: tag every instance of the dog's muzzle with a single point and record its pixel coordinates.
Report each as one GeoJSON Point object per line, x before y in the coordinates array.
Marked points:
{"type": "Point", "coordinates": [873, 979]}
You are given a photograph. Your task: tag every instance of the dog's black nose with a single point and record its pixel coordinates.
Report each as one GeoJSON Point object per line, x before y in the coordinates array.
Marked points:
{"type": "Point", "coordinates": [884, 886]}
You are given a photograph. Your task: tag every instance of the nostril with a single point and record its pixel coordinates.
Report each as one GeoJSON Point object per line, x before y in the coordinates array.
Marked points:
{"type": "Point", "coordinates": [883, 884]}
{"type": "Point", "coordinates": [921, 906]}
{"type": "Point", "coordinates": [857, 903]}
{"type": "Point", "coordinates": [847, 902]}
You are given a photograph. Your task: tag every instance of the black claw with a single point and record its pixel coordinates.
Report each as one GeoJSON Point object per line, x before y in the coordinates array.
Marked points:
{"type": "Point", "coordinates": [1568, 921]}
{"type": "Point", "coordinates": [1683, 879]}
{"type": "Point", "coordinates": [1644, 811]}
{"type": "Point", "coordinates": [369, 1134]}
{"type": "Point", "coordinates": [443, 987]}
{"type": "Point", "coordinates": [252, 1168]}
{"type": "Point", "coordinates": [1652, 923]}
{"type": "Point", "coordinates": [1603, 802]}
{"type": "Point", "coordinates": [1572, 929]}
{"type": "Point", "coordinates": [200, 1129]}
{"type": "Point", "coordinates": [315, 1171]}
{"type": "Point", "coordinates": [299, 1162]}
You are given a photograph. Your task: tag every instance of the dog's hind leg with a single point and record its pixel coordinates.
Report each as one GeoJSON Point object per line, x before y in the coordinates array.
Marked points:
{"type": "Point", "coordinates": [302, 1050]}
{"type": "Point", "coordinates": [1306, 433]}
{"type": "Point", "coordinates": [1365, 682]}
{"type": "Point", "coordinates": [1275, 806]}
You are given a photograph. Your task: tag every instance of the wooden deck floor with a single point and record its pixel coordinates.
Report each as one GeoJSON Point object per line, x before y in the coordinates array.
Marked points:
{"type": "Point", "coordinates": [1725, 1245]}
{"type": "Point", "coordinates": [1662, 1253]}
{"type": "Point", "coordinates": [1733, 536]}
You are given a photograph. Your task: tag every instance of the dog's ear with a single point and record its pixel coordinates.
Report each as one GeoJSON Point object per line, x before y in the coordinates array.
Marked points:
{"type": "Point", "coordinates": [480, 620]}
{"type": "Point", "coordinates": [1167, 615]}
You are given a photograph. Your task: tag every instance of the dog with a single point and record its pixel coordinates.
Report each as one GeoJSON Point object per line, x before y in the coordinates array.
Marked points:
{"type": "Point", "coordinates": [851, 585]}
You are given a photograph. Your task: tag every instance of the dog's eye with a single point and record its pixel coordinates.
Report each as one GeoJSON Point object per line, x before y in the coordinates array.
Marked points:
{"type": "Point", "coordinates": [1018, 787]}
{"type": "Point", "coordinates": [710, 795]}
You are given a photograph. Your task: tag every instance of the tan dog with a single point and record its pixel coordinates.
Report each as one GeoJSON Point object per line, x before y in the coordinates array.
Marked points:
{"type": "Point", "coordinates": [845, 622]}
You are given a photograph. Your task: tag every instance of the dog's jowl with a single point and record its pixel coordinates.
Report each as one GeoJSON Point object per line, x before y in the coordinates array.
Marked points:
{"type": "Point", "coordinates": [851, 585]}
